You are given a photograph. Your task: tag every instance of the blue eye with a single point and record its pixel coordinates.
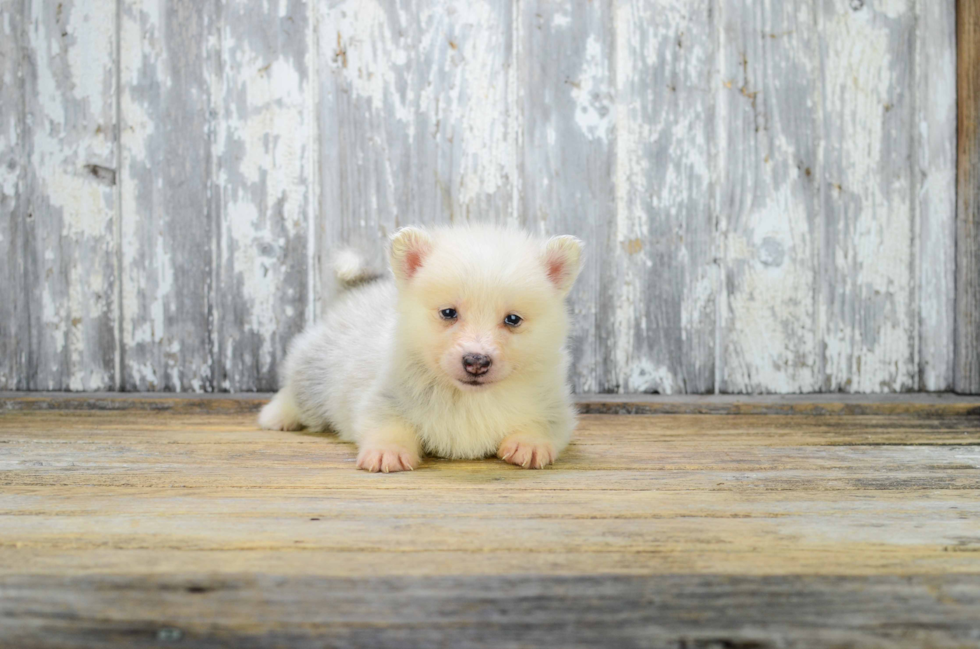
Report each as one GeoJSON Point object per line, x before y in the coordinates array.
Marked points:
{"type": "Point", "coordinates": [513, 320]}
{"type": "Point", "coordinates": [448, 314]}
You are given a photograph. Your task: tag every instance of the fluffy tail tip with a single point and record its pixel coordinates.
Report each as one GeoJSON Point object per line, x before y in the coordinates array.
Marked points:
{"type": "Point", "coordinates": [350, 269]}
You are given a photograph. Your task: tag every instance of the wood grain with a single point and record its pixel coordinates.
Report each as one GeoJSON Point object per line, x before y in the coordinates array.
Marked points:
{"type": "Point", "coordinates": [69, 211]}
{"type": "Point", "coordinates": [177, 175]}
{"type": "Point", "coordinates": [15, 356]}
{"type": "Point", "coordinates": [146, 527]}
{"type": "Point", "coordinates": [967, 368]}
{"type": "Point", "coordinates": [910, 405]}
{"type": "Point", "coordinates": [506, 611]}
{"type": "Point", "coordinates": [568, 112]}
{"type": "Point", "coordinates": [934, 175]}
{"type": "Point", "coordinates": [263, 157]}
{"type": "Point", "coordinates": [657, 306]}
{"type": "Point", "coordinates": [167, 194]}
{"type": "Point", "coordinates": [769, 224]}
{"type": "Point", "coordinates": [867, 276]}
{"type": "Point", "coordinates": [417, 119]}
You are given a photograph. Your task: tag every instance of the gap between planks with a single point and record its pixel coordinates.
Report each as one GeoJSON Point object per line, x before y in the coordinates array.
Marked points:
{"type": "Point", "coordinates": [912, 404]}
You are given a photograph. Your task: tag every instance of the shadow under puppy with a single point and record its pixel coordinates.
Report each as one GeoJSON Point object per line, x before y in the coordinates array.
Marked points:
{"type": "Point", "coordinates": [461, 356]}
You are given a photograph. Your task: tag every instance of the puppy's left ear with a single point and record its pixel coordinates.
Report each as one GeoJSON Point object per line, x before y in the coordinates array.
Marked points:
{"type": "Point", "coordinates": [409, 248]}
{"type": "Point", "coordinates": [563, 261]}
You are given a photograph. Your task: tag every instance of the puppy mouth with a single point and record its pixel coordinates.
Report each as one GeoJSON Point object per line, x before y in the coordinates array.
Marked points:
{"type": "Point", "coordinates": [473, 383]}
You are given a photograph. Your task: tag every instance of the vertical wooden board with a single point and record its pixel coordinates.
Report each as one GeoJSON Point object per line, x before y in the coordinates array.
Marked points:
{"type": "Point", "coordinates": [69, 231]}
{"type": "Point", "coordinates": [967, 343]}
{"type": "Point", "coordinates": [566, 73]}
{"type": "Point", "coordinates": [868, 311]}
{"type": "Point", "coordinates": [935, 189]}
{"type": "Point", "coordinates": [263, 146]}
{"type": "Point", "coordinates": [657, 309]}
{"type": "Point", "coordinates": [13, 177]}
{"type": "Point", "coordinates": [769, 130]}
{"type": "Point", "coordinates": [165, 194]}
{"type": "Point", "coordinates": [417, 121]}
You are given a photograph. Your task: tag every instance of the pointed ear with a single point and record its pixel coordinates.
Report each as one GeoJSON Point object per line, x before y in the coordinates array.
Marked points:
{"type": "Point", "coordinates": [409, 248]}
{"type": "Point", "coordinates": [562, 261]}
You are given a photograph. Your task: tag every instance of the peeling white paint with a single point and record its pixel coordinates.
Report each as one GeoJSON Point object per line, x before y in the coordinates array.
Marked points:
{"type": "Point", "coordinates": [72, 125]}
{"type": "Point", "coordinates": [437, 89]}
{"type": "Point", "coordinates": [631, 170]}
{"type": "Point", "coordinates": [262, 151]}
{"type": "Point", "coordinates": [594, 108]}
{"type": "Point", "coordinates": [645, 377]}
{"type": "Point", "coordinates": [875, 254]}
{"type": "Point", "coordinates": [368, 50]}
{"type": "Point", "coordinates": [936, 201]}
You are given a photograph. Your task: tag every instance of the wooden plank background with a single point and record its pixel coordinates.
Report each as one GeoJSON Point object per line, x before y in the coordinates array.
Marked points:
{"type": "Point", "coordinates": [766, 187]}
{"type": "Point", "coordinates": [967, 370]}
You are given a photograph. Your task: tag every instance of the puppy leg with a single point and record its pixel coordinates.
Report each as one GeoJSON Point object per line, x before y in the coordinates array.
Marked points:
{"type": "Point", "coordinates": [391, 446]}
{"type": "Point", "coordinates": [280, 413]}
{"type": "Point", "coordinates": [531, 450]}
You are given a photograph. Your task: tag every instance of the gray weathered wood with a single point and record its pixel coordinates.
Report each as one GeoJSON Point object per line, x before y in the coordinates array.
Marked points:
{"type": "Point", "coordinates": [674, 137]}
{"type": "Point", "coordinates": [417, 119]}
{"type": "Point", "coordinates": [867, 306]}
{"type": "Point", "coordinates": [167, 193]}
{"type": "Point", "coordinates": [263, 152]}
{"type": "Point", "coordinates": [967, 344]}
{"type": "Point", "coordinates": [684, 610]}
{"type": "Point", "coordinates": [568, 107]}
{"type": "Point", "coordinates": [68, 200]}
{"type": "Point", "coordinates": [15, 353]}
{"type": "Point", "coordinates": [657, 307]}
{"type": "Point", "coordinates": [769, 226]}
{"type": "Point", "coordinates": [929, 405]}
{"type": "Point", "coordinates": [934, 182]}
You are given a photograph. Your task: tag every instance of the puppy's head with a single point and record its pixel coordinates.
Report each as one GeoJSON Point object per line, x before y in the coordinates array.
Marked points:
{"type": "Point", "coordinates": [478, 306]}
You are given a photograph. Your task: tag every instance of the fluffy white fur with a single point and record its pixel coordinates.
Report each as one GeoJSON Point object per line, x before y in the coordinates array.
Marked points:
{"type": "Point", "coordinates": [385, 370]}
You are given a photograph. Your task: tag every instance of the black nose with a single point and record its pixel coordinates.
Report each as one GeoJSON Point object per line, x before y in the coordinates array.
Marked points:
{"type": "Point", "coordinates": [476, 364]}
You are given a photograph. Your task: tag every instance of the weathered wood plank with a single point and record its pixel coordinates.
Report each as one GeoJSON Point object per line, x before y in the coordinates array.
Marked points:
{"type": "Point", "coordinates": [568, 107]}
{"type": "Point", "coordinates": [69, 210]}
{"type": "Point", "coordinates": [910, 405]}
{"type": "Point", "coordinates": [14, 311]}
{"type": "Point", "coordinates": [934, 178]}
{"type": "Point", "coordinates": [967, 344]}
{"type": "Point", "coordinates": [868, 309]}
{"type": "Point", "coordinates": [640, 495]}
{"type": "Point", "coordinates": [694, 531]}
{"type": "Point", "coordinates": [657, 312]}
{"type": "Point", "coordinates": [167, 194]}
{"type": "Point", "coordinates": [264, 171]}
{"type": "Point", "coordinates": [501, 611]}
{"type": "Point", "coordinates": [769, 213]}
{"type": "Point", "coordinates": [417, 120]}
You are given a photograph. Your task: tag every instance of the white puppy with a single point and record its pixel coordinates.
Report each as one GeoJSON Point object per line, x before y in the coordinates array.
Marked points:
{"type": "Point", "coordinates": [462, 356]}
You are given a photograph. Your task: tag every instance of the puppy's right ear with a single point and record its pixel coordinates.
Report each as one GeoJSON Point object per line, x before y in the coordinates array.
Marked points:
{"type": "Point", "coordinates": [409, 248]}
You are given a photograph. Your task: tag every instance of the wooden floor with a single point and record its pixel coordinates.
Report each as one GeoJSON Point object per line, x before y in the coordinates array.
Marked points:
{"type": "Point", "coordinates": [149, 528]}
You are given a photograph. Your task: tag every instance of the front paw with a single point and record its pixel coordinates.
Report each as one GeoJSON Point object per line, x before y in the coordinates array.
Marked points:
{"type": "Point", "coordinates": [527, 451]}
{"type": "Point", "coordinates": [387, 458]}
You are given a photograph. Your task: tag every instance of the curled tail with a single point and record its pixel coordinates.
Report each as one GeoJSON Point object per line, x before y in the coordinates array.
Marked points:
{"type": "Point", "coordinates": [351, 270]}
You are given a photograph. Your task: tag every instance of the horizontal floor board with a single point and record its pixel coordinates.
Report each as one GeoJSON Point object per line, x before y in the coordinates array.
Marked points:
{"type": "Point", "coordinates": [817, 404]}
{"type": "Point", "coordinates": [141, 526]}
{"type": "Point", "coordinates": [682, 610]}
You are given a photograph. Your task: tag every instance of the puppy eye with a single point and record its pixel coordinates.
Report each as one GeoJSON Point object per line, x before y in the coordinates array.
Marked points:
{"type": "Point", "coordinates": [448, 314]}
{"type": "Point", "coordinates": [513, 320]}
